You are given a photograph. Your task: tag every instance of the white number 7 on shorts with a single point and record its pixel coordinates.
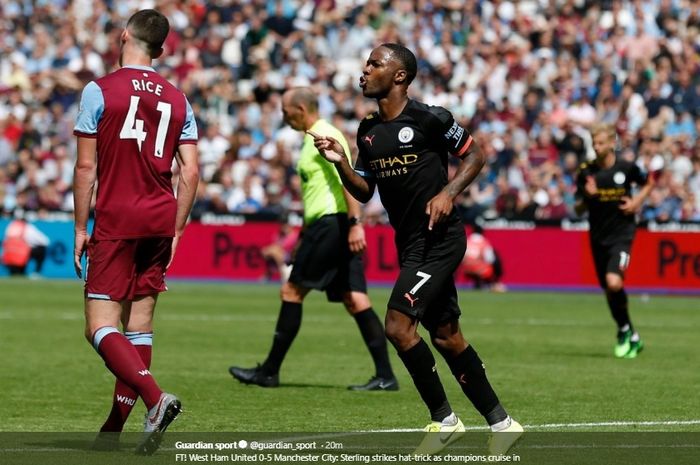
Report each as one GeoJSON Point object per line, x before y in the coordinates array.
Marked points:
{"type": "Point", "coordinates": [424, 279]}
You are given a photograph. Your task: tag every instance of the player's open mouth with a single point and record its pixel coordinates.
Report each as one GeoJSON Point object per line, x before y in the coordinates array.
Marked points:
{"type": "Point", "coordinates": [363, 82]}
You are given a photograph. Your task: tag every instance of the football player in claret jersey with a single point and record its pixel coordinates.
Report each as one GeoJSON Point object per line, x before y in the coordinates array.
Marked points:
{"type": "Point", "coordinates": [403, 149]}
{"type": "Point", "coordinates": [130, 126]}
{"type": "Point", "coordinates": [604, 189]}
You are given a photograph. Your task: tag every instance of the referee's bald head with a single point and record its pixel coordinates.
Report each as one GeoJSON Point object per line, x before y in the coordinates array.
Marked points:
{"type": "Point", "coordinates": [303, 96]}
{"type": "Point", "coordinates": [300, 108]}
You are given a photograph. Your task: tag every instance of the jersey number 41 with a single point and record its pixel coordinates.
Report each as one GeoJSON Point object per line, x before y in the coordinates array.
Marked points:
{"type": "Point", "coordinates": [133, 127]}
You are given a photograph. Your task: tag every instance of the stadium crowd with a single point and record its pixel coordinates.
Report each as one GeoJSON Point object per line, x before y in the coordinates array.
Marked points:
{"type": "Point", "coordinates": [528, 77]}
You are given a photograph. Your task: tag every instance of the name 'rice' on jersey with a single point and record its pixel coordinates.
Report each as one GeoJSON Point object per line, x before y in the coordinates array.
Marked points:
{"type": "Point", "coordinates": [407, 157]}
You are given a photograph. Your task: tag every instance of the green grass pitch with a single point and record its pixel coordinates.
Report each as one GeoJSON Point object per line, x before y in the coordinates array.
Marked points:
{"type": "Point", "coordinates": [549, 357]}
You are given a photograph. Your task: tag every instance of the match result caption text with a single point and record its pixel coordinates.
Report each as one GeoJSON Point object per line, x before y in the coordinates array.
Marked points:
{"type": "Point", "coordinates": [311, 452]}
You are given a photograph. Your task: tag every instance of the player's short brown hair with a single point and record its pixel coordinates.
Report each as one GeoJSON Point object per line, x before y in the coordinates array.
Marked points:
{"type": "Point", "coordinates": [150, 28]}
{"type": "Point", "coordinates": [605, 128]}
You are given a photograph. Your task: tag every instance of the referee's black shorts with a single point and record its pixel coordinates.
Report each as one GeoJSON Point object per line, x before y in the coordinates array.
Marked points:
{"type": "Point", "coordinates": [611, 258]}
{"type": "Point", "coordinates": [425, 288]}
{"type": "Point", "coordinates": [323, 259]}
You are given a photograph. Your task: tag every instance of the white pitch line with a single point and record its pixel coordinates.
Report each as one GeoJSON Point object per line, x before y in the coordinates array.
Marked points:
{"type": "Point", "coordinates": [561, 425]}
{"type": "Point", "coordinates": [617, 423]}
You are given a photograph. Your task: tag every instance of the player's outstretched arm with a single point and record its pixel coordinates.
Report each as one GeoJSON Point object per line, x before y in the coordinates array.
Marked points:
{"type": "Point", "coordinates": [187, 160]}
{"type": "Point", "coordinates": [440, 206]}
{"type": "Point", "coordinates": [84, 177]}
{"type": "Point", "coordinates": [359, 187]}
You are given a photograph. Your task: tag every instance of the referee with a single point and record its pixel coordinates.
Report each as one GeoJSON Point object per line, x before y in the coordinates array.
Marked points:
{"type": "Point", "coordinates": [328, 254]}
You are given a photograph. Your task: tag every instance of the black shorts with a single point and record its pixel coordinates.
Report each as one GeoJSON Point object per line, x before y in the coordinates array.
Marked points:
{"type": "Point", "coordinates": [612, 258]}
{"type": "Point", "coordinates": [425, 288]}
{"type": "Point", "coordinates": [323, 259]}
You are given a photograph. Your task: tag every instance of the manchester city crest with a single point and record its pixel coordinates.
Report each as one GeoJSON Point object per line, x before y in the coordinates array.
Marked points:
{"type": "Point", "coordinates": [405, 135]}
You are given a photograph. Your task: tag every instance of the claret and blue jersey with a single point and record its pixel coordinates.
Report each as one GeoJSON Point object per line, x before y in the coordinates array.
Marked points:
{"type": "Point", "coordinates": [138, 120]}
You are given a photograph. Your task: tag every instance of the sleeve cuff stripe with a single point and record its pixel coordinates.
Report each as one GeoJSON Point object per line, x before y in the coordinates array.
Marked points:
{"type": "Point", "coordinates": [467, 144]}
{"type": "Point", "coordinates": [85, 134]}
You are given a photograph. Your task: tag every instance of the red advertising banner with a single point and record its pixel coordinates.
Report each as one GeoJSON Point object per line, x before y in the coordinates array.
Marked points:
{"type": "Point", "coordinates": [542, 257]}
{"type": "Point", "coordinates": [223, 251]}
{"type": "Point", "coordinates": [666, 261]}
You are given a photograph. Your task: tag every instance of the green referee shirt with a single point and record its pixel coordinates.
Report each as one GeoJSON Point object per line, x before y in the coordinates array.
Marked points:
{"type": "Point", "coordinates": [322, 189]}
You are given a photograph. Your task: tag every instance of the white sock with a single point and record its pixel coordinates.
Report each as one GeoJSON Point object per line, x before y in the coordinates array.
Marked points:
{"type": "Point", "coordinates": [625, 328]}
{"type": "Point", "coordinates": [501, 425]}
{"type": "Point", "coordinates": [450, 420]}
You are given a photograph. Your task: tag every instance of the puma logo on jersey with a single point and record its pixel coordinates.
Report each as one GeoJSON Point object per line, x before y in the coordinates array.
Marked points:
{"type": "Point", "coordinates": [125, 400]}
{"type": "Point", "coordinates": [410, 298]}
{"type": "Point", "coordinates": [144, 372]}
{"type": "Point", "coordinates": [369, 139]}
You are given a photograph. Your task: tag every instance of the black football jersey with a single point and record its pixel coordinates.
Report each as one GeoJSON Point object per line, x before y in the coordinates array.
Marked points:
{"type": "Point", "coordinates": [608, 224]}
{"type": "Point", "coordinates": [407, 157]}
